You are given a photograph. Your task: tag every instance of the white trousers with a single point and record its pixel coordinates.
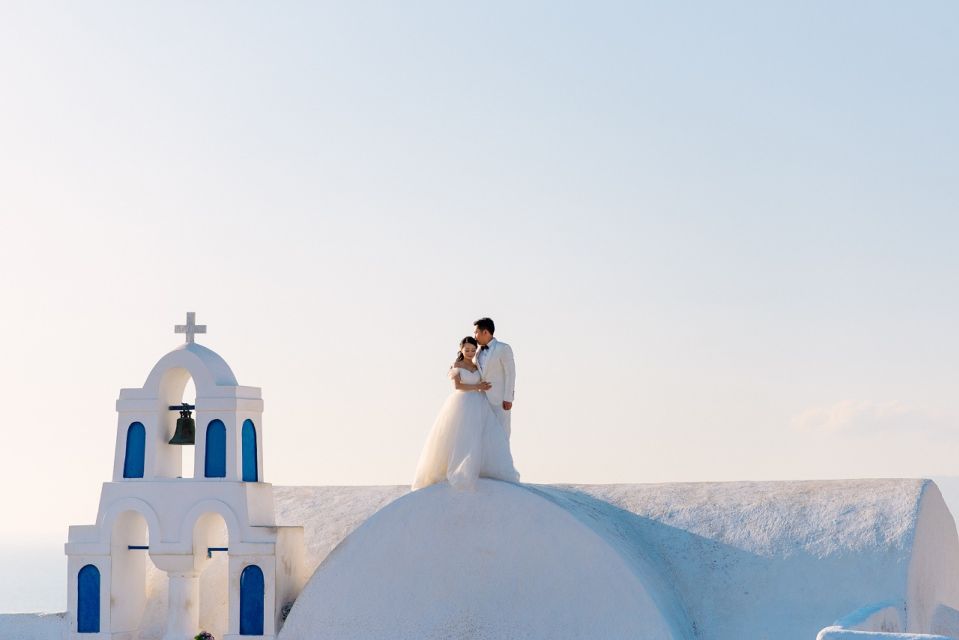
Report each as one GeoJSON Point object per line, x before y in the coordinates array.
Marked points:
{"type": "Point", "coordinates": [503, 415]}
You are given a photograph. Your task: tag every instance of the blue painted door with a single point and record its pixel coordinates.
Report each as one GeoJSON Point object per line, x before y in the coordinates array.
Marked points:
{"type": "Point", "coordinates": [251, 601]}
{"type": "Point", "coordinates": [249, 452]}
{"type": "Point", "coordinates": [215, 461]}
{"type": "Point", "coordinates": [136, 445]}
{"type": "Point", "coordinates": [88, 600]}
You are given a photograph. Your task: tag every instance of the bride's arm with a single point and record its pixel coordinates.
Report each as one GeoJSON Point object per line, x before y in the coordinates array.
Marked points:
{"type": "Point", "coordinates": [462, 386]}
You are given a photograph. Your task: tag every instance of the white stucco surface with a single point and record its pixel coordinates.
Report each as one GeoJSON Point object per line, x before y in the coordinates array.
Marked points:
{"type": "Point", "coordinates": [716, 561]}
{"type": "Point", "coordinates": [757, 560]}
{"type": "Point", "coordinates": [194, 357]}
{"type": "Point", "coordinates": [786, 559]}
{"type": "Point", "coordinates": [500, 562]}
{"type": "Point", "coordinates": [330, 512]}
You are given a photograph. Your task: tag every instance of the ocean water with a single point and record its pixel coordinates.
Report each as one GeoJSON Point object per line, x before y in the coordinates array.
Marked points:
{"type": "Point", "coordinates": [34, 577]}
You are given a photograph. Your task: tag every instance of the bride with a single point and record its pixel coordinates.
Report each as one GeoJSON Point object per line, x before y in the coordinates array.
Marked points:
{"type": "Point", "coordinates": [467, 440]}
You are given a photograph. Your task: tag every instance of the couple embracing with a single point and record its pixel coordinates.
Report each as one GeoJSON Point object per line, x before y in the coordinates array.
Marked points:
{"type": "Point", "coordinates": [470, 436]}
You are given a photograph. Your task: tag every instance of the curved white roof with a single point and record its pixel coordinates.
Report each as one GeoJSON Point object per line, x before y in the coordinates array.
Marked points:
{"type": "Point", "coordinates": [205, 366]}
{"type": "Point", "coordinates": [740, 559]}
{"type": "Point", "coordinates": [500, 562]}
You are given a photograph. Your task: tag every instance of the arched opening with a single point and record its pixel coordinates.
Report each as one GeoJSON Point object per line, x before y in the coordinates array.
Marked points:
{"type": "Point", "coordinates": [175, 460]}
{"type": "Point", "coordinates": [251, 601]}
{"type": "Point", "coordinates": [88, 600]}
{"type": "Point", "coordinates": [130, 563]}
{"type": "Point", "coordinates": [250, 473]}
{"type": "Point", "coordinates": [188, 452]}
{"type": "Point", "coordinates": [210, 544]}
{"type": "Point", "coordinates": [215, 456]}
{"type": "Point", "coordinates": [135, 451]}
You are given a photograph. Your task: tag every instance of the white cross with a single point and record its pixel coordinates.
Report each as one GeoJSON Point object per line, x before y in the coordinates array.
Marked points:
{"type": "Point", "coordinates": [191, 327]}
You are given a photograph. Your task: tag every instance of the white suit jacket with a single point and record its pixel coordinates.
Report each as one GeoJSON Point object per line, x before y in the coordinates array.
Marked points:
{"type": "Point", "coordinates": [500, 371]}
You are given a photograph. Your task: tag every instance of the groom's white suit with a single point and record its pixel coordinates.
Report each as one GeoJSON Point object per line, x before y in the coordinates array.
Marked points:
{"type": "Point", "coordinates": [497, 367]}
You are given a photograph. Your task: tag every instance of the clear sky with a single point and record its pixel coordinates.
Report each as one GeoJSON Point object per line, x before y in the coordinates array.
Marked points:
{"type": "Point", "coordinates": [720, 237]}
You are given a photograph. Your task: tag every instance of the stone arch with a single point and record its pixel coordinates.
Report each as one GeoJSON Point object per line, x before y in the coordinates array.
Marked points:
{"type": "Point", "coordinates": [166, 382]}
{"type": "Point", "coordinates": [170, 374]}
{"type": "Point", "coordinates": [211, 506]}
{"type": "Point", "coordinates": [211, 541]}
{"type": "Point", "coordinates": [109, 517]}
{"type": "Point", "coordinates": [172, 385]}
{"type": "Point", "coordinates": [129, 561]}
{"type": "Point", "coordinates": [210, 533]}
{"type": "Point", "coordinates": [129, 528]}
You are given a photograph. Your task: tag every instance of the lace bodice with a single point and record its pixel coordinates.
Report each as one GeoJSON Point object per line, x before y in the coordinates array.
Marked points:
{"type": "Point", "coordinates": [466, 376]}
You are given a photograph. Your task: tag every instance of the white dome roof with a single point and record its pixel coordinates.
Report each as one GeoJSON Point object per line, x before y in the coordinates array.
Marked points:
{"type": "Point", "coordinates": [501, 562]}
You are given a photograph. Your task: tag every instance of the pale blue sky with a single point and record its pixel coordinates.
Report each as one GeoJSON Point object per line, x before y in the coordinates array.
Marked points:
{"type": "Point", "coordinates": [720, 237]}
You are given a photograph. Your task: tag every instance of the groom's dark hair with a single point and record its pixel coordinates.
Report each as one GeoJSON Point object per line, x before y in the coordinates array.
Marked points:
{"type": "Point", "coordinates": [485, 324]}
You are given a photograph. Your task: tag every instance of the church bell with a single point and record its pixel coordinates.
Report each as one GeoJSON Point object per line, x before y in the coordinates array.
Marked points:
{"type": "Point", "coordinates": [185, 425]}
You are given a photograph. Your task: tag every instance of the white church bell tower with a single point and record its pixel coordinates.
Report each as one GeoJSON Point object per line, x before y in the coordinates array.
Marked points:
{"type": "Point", "coordinates": [229, 437]}
{"type": "Point", "coordinates": [151, 513]}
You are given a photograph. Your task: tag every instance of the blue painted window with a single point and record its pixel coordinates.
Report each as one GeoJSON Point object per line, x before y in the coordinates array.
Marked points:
{"type": "Point", "coordinates": [249, 452]}
{"type": "Point", "coordinates": [215, 464]}
{"type": "Point", "coordinates": [251, 601]}
{"type": "Point", "coordinates": [136, 445]}
{"type": "Point", "coordinates": [88, 600]}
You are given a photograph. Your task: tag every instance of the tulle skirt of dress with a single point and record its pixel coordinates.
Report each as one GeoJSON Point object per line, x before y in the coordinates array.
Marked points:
{"type": "Point", "coordinates": [467, 441]}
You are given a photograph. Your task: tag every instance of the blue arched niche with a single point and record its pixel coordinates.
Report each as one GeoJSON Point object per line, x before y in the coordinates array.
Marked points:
{"type": "Point", "coordinates": [251, 601]}
{"type": "Point", "coordinates": [249, 452]}
{"type": "Point", "coordinates": [215, 461]}
{"type": "Point", "coordinates": [135, 452]}
{"type": "Point", "coordinates": [88, 600]}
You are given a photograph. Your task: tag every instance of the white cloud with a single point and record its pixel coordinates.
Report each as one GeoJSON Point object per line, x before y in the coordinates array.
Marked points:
{"type": "Point", "coordinates": [863, 416]}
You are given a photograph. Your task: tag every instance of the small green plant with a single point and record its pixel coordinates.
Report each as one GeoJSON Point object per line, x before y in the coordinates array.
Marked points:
{"type": "Point", "coordinates": [204, 635]}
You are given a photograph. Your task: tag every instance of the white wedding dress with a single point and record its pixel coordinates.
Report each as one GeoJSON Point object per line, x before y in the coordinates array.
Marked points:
{"type": "Point", "coordinates": [467, 441]}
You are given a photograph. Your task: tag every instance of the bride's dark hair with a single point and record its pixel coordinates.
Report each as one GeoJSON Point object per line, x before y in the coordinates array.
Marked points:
{"type": "Point", "coordinates": [465, 341]}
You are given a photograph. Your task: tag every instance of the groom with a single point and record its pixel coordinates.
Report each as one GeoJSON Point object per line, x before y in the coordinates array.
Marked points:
{"type": "Point", "coordinates": [495, 362]}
